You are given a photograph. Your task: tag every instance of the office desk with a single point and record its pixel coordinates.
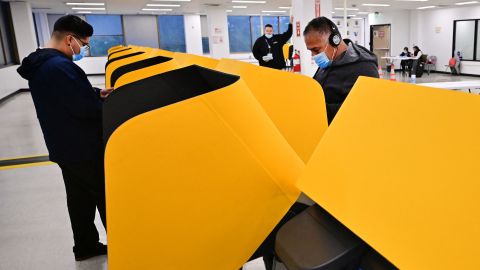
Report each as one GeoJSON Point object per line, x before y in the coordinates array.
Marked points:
{"type": "Point", "coordinates": [463, 85]}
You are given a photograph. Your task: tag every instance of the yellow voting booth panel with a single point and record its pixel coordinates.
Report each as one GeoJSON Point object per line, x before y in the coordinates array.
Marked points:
{"type": "Point", "coordinates": [115, 63]}
{"type": "Point", "coordinates": [197, 183]}
{"type": "Point", "coordinates": [145, 72]}
{"type": "Point", "coordinates": [185, 59]}
{"type": "Point", "coordinates": [295, 103]}
{"type": "Point", "coordinates": [399, 167]}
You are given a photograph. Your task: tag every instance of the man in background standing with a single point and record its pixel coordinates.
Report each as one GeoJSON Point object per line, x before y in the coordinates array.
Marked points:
{"type": "Point", "coordinates": [268, 49]}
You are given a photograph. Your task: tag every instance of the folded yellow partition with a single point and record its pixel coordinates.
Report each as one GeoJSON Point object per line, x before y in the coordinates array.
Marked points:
{"type": "Point", "coordinates": [118, 62]}
{"type": "Point", "coordinates": [197, 175]}
{"type": "Point", "coordinates": [115, 48]}
{"type": "Point", "coordinates": [141, 72]}
{"type": "Point", "coordinates": [399, 167]}
{"type": "Point", "coordinates": [295, 103]}
{"type": "Point", "coordinates": [192, 59]}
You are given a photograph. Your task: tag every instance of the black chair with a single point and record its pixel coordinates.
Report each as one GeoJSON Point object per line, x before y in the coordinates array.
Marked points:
{"type": "Point", "coordinates": [315, 240]}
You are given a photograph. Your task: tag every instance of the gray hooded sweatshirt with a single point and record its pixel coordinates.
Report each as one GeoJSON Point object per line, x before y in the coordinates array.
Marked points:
{"type": "Point", "coordinates": [339, 78]}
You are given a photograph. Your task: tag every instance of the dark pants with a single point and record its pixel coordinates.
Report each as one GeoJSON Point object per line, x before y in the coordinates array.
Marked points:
{"type": "Point", "coordinates": [85, 188]}
{"type": "Point", "coordinates": [267, 249]}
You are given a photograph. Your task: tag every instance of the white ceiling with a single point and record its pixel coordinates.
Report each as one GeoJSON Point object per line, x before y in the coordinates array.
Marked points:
{"type": "Point", "coordinates": [199, 6]}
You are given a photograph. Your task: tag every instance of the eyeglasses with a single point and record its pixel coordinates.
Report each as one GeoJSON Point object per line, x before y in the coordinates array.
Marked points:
{"type": "Point", "coordinates": [81, 41]}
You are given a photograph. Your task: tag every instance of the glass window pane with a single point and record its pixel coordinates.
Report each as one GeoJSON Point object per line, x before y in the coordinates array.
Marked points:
{"type": "Point", "coordinates": [105, 24]}
{"type": "Point", "coordinates": [99, 45]}
{"type": "Point", "coordinates": [52, 18]}
{"type": "Point", "coordinates": [273, 21]}
{"type": "Point", "coordinates": [239, 33]}
{"type": "Point", "coordinates": [2, 56]}
{"type": "Point", "coordinates": [478, 41]}
{"type": "Point", "coordinates": [464, 38]}
{"type": "Point", "coordinates": [172, 33]}
{"type": "Point", "coordinates": [256, 28]}
{"type": "Point", "coordinates": [205, 45]}
{"type": "Point", "coordinates": [284, 21]}
{"type": "Point", "coordinates": [7, 34]}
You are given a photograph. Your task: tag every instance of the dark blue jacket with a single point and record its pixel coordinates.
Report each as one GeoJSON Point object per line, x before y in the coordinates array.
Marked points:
{"type": "Point", "coordinates": [68, 108]}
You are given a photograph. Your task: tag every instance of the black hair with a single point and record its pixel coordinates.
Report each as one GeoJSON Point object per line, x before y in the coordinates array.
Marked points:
{"type": "Point", "coordinates": [73, 24]}
{"type": "Point", "coordinates": [268, 25]}
{"type": "Point", "coordinates": [322, 25]}
{"type": "Point", "coordinates": [406, 48]}
{"type": "Point", "coordinates": [416, 47]}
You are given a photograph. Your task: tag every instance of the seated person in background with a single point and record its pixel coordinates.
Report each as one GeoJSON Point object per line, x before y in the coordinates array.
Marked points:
{"type": "Point", "coordinates": [417, 53]}
{"type": "Point", "coordinates": [454, 63]}
{"type": "Point", "coordinates": [405, 63]}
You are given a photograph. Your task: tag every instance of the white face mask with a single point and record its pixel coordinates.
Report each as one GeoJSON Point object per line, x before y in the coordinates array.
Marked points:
{"type": "Point", "coordinates": [269, 35]}
{"type": "Point", "coordinates": [81, 54]}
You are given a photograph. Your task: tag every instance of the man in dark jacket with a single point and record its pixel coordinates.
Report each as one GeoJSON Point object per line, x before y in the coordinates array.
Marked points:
{"type": "Point", "coordinates": [268, 49]}
{"type": "Point", "coordinates": [340, 62]}
{"type": "Point", "coordinates": [69, 110]}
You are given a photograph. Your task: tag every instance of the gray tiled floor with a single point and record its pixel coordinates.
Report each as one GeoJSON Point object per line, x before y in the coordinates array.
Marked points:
{"type": "Point", "coordinates": [34, 227]}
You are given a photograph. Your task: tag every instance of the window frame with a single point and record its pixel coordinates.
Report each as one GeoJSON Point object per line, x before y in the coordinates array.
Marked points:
{"type": "Point", "coordinates": [122, 35]}
{"type": "Point", "coordinates": [11, 43]}
{"type": "Point", "coordinates": [476, 58]}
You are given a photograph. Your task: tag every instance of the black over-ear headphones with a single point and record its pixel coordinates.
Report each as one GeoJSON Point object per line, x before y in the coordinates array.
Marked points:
{"type": "Point", "coordinates": [335, 38]}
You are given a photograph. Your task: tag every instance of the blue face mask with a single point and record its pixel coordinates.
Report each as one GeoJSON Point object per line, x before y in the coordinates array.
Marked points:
{"type": "Point", "coordinates": [322, 60]}
{"type": "Point", "coordinates": [269, 36]}
{"type": "Point", "coordinates": [83, 52]}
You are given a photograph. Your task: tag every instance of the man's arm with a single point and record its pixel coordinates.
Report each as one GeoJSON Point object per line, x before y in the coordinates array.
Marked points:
{"type": "Point", "coordinates": [76, 93]}
{"type": "Point", "coordinates": [257, 50]}
{"type": "Point", "coordinates": [288, 34]}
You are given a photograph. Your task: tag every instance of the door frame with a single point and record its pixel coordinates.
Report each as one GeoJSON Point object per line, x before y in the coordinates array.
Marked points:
{"type": "Point", "coordinates": [371, 35]}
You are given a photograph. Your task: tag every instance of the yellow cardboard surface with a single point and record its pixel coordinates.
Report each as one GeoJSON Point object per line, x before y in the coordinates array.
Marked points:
{"type": "Point", "coordinates": [295, 103]}
{"type": "Point", "coordinates": [198, 184]}
{"type": "Point", "coordinates": [122, 62]}
{"type": "Point", "coordinates": [146, 72]}
{"type": "Point", "coordinates": [115, 48]}
{"type": "Point", "coordinates": [399, 167]}
{"type": "Point", "coordinates": [185, 59]}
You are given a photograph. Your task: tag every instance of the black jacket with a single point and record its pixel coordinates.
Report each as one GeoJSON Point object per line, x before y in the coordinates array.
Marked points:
{"type": "Point", "coordinates": [68, 108]}
{"type": "Point", "coordinates": [260, 49]}
{"type": "Point", "coordinates": [339, 78]}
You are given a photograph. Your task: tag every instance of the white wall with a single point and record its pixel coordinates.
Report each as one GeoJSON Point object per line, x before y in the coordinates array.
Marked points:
{"type": "Point", "coordinates": [26, 43]}
{"type": "Point", "coordinates": [218, 32]}
{"type": "Point", "coordinates": [193, 34]}
{"type": "Point", "coordinates": [440, 44]}
{"type": "Point", "coordinates": [140, 30]}
{"type": "Point", "coordinates": [93, 65]}
{"type": "Point", "coordinates": [23, 28]}
{"type": "Point", "coordinates": [400, 29]}
{"type": "Point", "coordinates": [11, 81]}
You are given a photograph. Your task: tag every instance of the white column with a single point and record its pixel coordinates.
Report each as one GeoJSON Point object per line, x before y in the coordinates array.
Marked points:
{"type": "Point", "coordinates": [23, 28]}
{"type": "Point", "coordinates": [303, 12]}
{"type": "Point", "coordinates": [41, 21]}
{"type": "Point", "coordinates": [193, 34]}
{"type": "Point", "coordinates": [218, 32]}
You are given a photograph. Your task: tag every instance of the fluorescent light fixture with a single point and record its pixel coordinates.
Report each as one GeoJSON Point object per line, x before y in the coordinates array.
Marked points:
{"type": "Point", "coordinates": [84, 4]}
{"type": "Point", "coordinates": [357, 18]}
{"type": "Point", "coordinates": [376, 5]}
{"type": "Point", "coordinates": [83, 12]}
{"type": "Point", "coordinates": [284, 7]}
{"type": "Point", "coordinates": [87, 8]}
{"type": "Point", "coordinates": [157, 9]}
{"type": "Point", "coordinates": [333, 12]}
{"type": "Point", "coordinates": [426, 7]}
{"type": "Point", "coordinates": [466, 3]}
{"type": "Point", "coordinates": [363, 12]}
{"type": "Point", "coordinates": [228, 10]}
{"type": "Point", "coordinates": [172, 0]}
{"type": "Point", "coordinates": [346, 8]}
{"type": "Point", "coordinates": [412, 0]}
{"type": "Point", "coordinates": [274, 11]}
{"type": "Point", "coordinates": [162, 5]}
{"type": "Point", "coordinates": [239, 6]}
{"type": "Point", "coordinates": [249, 2]}
{"type": "Point", "coordinates": [351, 15]}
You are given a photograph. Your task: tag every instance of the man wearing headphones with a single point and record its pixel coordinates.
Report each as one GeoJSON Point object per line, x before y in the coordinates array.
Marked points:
{"type": "Point", "coordinates": [340, 62]}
